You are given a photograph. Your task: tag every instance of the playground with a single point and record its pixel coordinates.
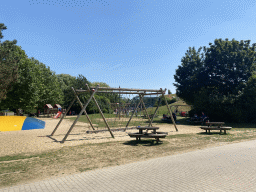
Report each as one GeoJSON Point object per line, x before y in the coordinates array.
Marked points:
{"type": "Point", "coordinates": [35, 155]}
{"type": "Point", "coordinates": [65, 145]}
{"type": "Point", "coordinates": [37, 141]}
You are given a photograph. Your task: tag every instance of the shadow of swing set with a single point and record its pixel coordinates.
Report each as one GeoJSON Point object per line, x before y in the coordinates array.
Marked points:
{"type": "Point", "coordinates": [97, 89]}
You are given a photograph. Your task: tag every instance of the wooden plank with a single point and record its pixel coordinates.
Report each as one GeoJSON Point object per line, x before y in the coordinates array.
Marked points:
{"type": "Point", "coordinates": [215, 123]}
{"type": "Point", "coordinates": [128, 89]}
{"type": "Point", "coordinates": [103, 130]}
{"type": "Point", "coordinates": [149, 128]}
{"type": "Point", "coordinates": [147, 136]}
{"type": "Point", "coordinates": [213, 127]}
{"type": "Point", "coordinates": [227, 128]}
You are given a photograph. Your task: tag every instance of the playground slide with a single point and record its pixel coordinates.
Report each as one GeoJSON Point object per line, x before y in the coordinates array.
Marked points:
{"type": "Point", "coordinates": [57, 115]}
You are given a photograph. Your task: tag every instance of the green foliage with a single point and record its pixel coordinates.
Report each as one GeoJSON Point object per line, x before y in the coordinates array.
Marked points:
{"type": "Point", "coordinates": [10, 56]}
{"type": "Point", "coordinates": [66, 82]}
{"type": "Point", "coordinates": [48, 86]}
{"type": "Point", "coordinates": [187, 75]}
{"type": "Point", "coordinates": [216, 80]}
{"type": "Point", "coordinates": [2, 27]}
{"type": "Point", "coordinates": [102, 84]}
{"type": "Point", "coordinates": [24, 94]}
{"type": "Point", "coordinates": [247, 101]}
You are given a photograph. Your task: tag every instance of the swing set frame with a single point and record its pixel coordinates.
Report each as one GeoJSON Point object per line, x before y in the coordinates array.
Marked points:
{"type": "Point", "coordinates": [97, 89]}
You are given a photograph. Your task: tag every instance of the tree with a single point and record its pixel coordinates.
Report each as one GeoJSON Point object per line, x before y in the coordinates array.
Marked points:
{"type": "Point", "coordinates": [213, 80]}
{"type": "Point", "coordinates": [48, 86]}
{"type": "Point", "coordinates": [66, 81]}
{"type": "Point", "coordinates": [10, 56]}
{"type": "Point", "coordinates": [187, 75]}
{"type": "Point", "coordinates": [2, 27]}
{"type": "Point", "coordinates": [36, 86]}
{"type": "Point", "coordinates": [24, 94]}
{"type": "Point", "coordinates": [169, 92]}
{"type": "Point", "coordinates": [102, 84]}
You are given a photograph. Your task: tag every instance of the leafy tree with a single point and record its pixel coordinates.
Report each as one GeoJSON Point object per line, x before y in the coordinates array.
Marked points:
{"type": "Point", "coordinates": [2, 27]}
{"type": "Point", "coordinates": [36, 86]}
{"type": "Point", "coordinates": [102, 84]}
{"type": "Point", "coordinates": [24, 94]}
{"type": "Point", "coordinates": [187, 75]}
{"type": "Point", "coordinates": [48, 86]}
{"type": "Point", "coordinates": [247, 101]}
{"type": "Point", "coordinates": [81, 82]}
{"type": "Point", "coordinates": [212, 80]}
{"type": "Point", "coordinates": [10, 55]}
{"type": "Point", "coordinates": [66, 82]}
{"type": "Point", "coordinates": [169, 92]}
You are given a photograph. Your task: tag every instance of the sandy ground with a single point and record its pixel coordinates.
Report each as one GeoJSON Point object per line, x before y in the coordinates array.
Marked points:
{"type": "Point", "coordinates": [37, 141]}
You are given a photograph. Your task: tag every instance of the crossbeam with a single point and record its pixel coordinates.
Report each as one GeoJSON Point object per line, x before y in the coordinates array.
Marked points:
{"type": "Point", "coordinates": [121, 92]}
{"type": "Point", "coordinates": [127, 89]}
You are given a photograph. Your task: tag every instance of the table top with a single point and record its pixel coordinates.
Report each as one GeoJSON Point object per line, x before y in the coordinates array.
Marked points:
{"type": "Point", "coordinates": [148, 128]}
{"type": "Point", "coordinates": [216, 123]}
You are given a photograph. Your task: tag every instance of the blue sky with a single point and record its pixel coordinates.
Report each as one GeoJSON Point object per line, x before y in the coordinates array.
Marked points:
{"type": "Point", "coordinates": [134, 44]}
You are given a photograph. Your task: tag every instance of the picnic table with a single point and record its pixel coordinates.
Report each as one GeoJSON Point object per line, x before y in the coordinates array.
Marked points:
{"type": "Point", "coordinates": [215, 126]}
{"type": "Point", "coordinates": [143, 133]}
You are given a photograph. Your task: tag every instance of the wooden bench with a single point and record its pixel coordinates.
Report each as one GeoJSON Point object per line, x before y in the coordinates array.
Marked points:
{"type": "Point", "coordinates": [149, 135]}
{"type": "Point", "coordinates": [161, 132]}
{"type": "Point", "coordinates": [206, 128]}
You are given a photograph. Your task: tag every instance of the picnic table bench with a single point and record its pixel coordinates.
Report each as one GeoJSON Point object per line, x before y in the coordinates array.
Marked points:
{"type": "Point", "coordinates": [154, 133]}
{"type": "Point", "coordinates": [215, 126]}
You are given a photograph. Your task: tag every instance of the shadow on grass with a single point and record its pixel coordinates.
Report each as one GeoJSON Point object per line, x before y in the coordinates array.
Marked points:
{"type": "Point", "coordinates": [213, 133]}
{"type": "Point", "coordinates": [241, 125]}
{"type": "Point", "coordinates": [145, 142]}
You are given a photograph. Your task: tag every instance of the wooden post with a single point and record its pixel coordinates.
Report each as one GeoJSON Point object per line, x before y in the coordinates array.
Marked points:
{"type": "Point", "coordinates": [119, 105]}
{"type": "Point", "coordinates": [128, 89]}
{"type": "Point", "coordinates": [84, 107]}
{"type": "Point", "coordinates": [159, 102]}
{"type": "Point", "coordinates": [134, 111]}
{"type": "Point", "coordinates": [63, 116]}
{"type": "Point", "coordinates": [101, 112]}
{"type": "Point", "coordinates": [169, 110]}
{"type": "Point", "coordinates": [144, 107]}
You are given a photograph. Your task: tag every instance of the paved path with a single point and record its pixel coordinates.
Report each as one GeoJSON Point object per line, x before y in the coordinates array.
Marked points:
{"type": "Point", "coordinates": [225, 168]}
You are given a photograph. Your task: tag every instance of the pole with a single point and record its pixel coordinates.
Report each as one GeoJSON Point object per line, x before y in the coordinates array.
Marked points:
{"type": "Point", "coordinates": [84, 107]}
{"type": "Point", "coordinates": [119, 105]}
{"type": "Point", "coordinates": [170, 111]}
{"type": "Point", "coordinates": [80, 103]}
{"type": "Point", "coordinates": [134, 110]}
{"type": "Point", "coordinates": [146, 113]}
{"type": "Point", "coordinates": [63, 116]}
{"type": "Point", "coordinates": [159, 102]}
{"type": "Point", "coordinates": [101, 113]}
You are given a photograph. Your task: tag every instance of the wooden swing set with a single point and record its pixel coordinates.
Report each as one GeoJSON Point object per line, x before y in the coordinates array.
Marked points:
{"type": "Point", "coordinates": [97, 89]}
